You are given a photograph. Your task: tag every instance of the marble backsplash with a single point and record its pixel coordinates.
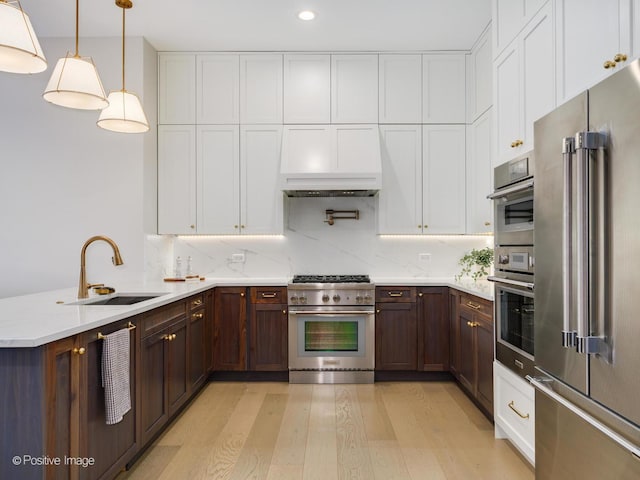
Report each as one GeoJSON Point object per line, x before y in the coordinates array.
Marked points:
{"type": "Point", "coordinates": [310, 245]}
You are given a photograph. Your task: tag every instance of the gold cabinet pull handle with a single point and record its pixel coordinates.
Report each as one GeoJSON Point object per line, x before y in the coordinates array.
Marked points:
{"type": "Point", "coordinates": [197, 315]}
{"type": "Point", "coordinates": [269, 295]}
{"type": "Point", "coordinates": [512, 407]}
{"type": "Point", "coordinates": [395, 294]}
{"type": "Point", "coordinates": [242, 294]}
{"type": "Point", "coordinates": [420, 294]}
{"type": "Point", "coordinates": [475, 306]}
{"type": "Point", "coordinates": [486, 224]}
{"type": "Point", "coordinates": [284, 312]}
{"type": "Point", "coordinates": [192, 226]}
{"type": "Point", "coordinates": [170, 337]}
{"type": "Point", "coordinates": [609, 64]}
{"type": "Point", "coordinates": [196, 303]}
{"type": "Point", "coordinates": [79, 351]}
{"type": "Point", "coordinates": [620, 57]}
{"type": "Point", "coordinates": [377, 311]}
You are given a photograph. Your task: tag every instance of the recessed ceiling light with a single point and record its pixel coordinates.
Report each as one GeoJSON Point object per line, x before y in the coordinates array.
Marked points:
{"type": "Point", "coordinates": [306, 15]}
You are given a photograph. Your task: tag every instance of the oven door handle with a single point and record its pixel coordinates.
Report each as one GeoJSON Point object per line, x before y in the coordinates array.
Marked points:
{"type": "Point", "coordinates": [333, 312]}
{"type": "Point", "coordinates": [515, 283]}
{"type": "Point", "coordinates": [511, 190]}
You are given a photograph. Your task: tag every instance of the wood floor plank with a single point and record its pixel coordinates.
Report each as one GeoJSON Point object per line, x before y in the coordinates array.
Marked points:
{"type": "Point", "coordinates": [277, 431]}
{"type": "Point", "coordinates": [294, 429]}
{"type": "Point", "coordinates": [354, 461]}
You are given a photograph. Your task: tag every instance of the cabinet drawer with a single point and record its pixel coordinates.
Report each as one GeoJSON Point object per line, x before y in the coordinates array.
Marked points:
{"type": "Point", "coordinates": [514, 408]}
{"type": "Point", "coordinates": [477, 304]}
{"type": "Point", "coordinates": [159, 318]}
{"type": "Point", "coordinates": [268, 295]}
{"type": "Point", "coordinates": [195, 302]}
{"type": "Point", "coordinates": [396, 294]}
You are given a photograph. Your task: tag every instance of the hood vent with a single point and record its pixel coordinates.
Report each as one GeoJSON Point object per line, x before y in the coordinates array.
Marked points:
{"type": "Point", "coordinates": [331, 161]}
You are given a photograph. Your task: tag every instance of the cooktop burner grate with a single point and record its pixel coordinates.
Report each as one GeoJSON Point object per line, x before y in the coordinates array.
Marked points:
{"type": "Point", "coordinates": [331, 279]}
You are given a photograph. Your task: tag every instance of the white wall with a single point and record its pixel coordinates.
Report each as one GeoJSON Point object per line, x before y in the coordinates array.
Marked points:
{"type": "Point", "coordinates": [63, 179]}
{"type": "Point", "coordinates": [314, 247]}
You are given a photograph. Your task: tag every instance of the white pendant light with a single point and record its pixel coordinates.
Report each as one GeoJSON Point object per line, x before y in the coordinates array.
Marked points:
{"type": "Point", "coordinates": [124, 113]}
{"type": "Point", "coordinates": [20, 50]}
{"type": "Point", "coordinates": [75, 82]}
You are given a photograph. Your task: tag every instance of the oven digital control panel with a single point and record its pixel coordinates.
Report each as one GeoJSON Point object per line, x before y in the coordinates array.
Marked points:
{"type": "Point", "coordinates": [518, 259]}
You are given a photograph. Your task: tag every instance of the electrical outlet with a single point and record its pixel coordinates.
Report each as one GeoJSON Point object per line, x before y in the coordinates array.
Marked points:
{"type": "Point", "coordinates": [237, 258]}
{"type": "Point", "coordinates": [424, 257]}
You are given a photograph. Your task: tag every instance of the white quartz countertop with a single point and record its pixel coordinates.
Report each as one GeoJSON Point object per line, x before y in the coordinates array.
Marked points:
{"type": "Point", "coordinates": [39, 318]}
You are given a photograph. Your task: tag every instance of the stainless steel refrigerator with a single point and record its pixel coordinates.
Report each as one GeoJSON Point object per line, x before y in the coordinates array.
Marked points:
{"type": "Point", "coordinates": [587, 291]}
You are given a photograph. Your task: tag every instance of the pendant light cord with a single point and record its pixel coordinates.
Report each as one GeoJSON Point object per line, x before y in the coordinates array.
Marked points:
{"type": "Point", "coordinates": [123, 11]}
{"type": "Point", "coordinates": [77, 55]}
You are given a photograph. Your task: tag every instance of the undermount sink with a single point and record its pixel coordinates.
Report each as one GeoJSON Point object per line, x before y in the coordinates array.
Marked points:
{"type": "Point", "coordinates": [119, 299]}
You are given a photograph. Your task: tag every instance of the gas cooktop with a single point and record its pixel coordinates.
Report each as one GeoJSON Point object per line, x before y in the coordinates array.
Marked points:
{"type": "Point", "coordinates": [331, 279]}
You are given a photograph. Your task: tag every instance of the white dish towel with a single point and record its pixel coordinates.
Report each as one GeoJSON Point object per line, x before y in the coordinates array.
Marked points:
{"type": "Point", "coordinates": [115, 375]}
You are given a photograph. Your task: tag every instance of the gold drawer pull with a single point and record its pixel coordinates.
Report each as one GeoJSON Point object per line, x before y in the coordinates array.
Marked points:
{"type": "Point", "coordinates": [620, 57]}
{"type": "Point", "coordinates": [170, 337]}
{"type": "Point", "coordinates": [511, 406]}
{"type": "Point", "coordinates": [609, 64]}
{"type": "Point", "coordinates": [475, 306]}
{"type": "Point", "coordinates": [196, 303]}
{"type": "Point", "coordinates": [396, 294]}
{"type": "Point", "coordinates": [79, 351]}
{"type": "Point", "coordinates": [197, 315]}
{"type": "Point", "coordinates": [269, 295]}
{"type": "Point", "coordinates": [473, 324]}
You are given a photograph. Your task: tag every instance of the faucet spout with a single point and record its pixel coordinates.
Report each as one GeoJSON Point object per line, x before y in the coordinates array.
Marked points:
{"type": "Point", "coordinates": [83, 287]}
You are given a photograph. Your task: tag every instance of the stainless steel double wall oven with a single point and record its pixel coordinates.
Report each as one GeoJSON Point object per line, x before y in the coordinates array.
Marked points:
{"type": "Point", "coordinates": [514, 264]}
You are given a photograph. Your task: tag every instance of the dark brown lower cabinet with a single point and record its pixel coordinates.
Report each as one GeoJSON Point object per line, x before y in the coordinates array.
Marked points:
{"type": "Point", "coordinates": [396, 329]}
{"type": "Point", "coordinates": [230, 329]}
{"type": "Point", "coordinates": [474, 348]}
{"type": "Point", "coordinates": [268, 338]}
{"type": "Point", "coordinates": [198, 318]}
{"type": "Point", "coordinates": [433, 329]}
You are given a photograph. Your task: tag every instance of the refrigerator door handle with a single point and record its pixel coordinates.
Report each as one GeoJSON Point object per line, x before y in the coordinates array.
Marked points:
{"type": "Point", "coordinates": [539, 384]}
{"type": "Point", "coordinates": [584, 143]}
{"type": "Point", "coordinates": [569, 334]}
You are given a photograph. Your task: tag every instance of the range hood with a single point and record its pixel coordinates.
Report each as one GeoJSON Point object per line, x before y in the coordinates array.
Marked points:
{"type": "Point", "coordinates": [330, 160]}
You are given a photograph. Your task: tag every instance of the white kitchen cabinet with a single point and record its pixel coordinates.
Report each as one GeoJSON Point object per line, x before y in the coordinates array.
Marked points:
{"type": "Point", "coordinates": [479, 175]}
{"type": "Point", "coordinates": [176, 179]}
{"type": "Point", "coordinates": [443, 88]}
{"type": "Point", "coordinates": [218, 179]}
{"type": "Point", "coordinates": [307, 149]}
{"type": "Point", "coordinates": [443, 179]}
{"type": "Point", "coordinates": [217, 89]}
{"type": "Point", "coordinates": [400, 198]}
{"type": "Point", "coordinates": [423, 189]}
{"type": "Point", "coordinates": [514, 410]}
{"type": "Point", "coordinates": [261, 89]}
{"type": "Point", "coordinates": [354, 88]}
{"type": "Point", "coordinates": [590, 33]}
{"type": "Point", "coordinates": [400, 80]}
{"type": "Point", "coordinates": [509, 18]}
{"type": "Point", "coordinates": [524, 85]}
{"type": "Point", "coordinates": [307, 88]}
{"type": "Point", "coordinates": [261, 199]}
{"type": "Point", "coordinates": [479, 78]}
{"type": "Point", "coordinates": [176, 89]}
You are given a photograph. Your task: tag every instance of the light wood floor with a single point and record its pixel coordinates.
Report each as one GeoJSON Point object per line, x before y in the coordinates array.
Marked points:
{"type": "Point", "coordinates": [277, 431]}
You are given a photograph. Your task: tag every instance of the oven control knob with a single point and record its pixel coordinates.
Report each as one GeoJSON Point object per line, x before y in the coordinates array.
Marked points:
{"type": "Point", "coordinates": [325, 298]}
{"type": "Point", "coordinates": [503, 259]}
{"type": "Point", "coordinates": [336, 298]}
{"type": "Point", "coordinates": [302, 300]}
{"type": "Point", "coordinates": [294, 299]}
{"type": "Point", "coordinates": [367, 298]}
{"type": "Point", "coordinates": [358, 298]}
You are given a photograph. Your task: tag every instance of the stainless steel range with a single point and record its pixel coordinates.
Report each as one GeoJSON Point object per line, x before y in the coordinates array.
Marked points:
{"type": "Point", "coordinates": [331, 329]}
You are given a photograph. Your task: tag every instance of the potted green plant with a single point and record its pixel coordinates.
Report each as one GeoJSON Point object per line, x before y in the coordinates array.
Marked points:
{"type": "Point", "coordinates": [476, 263]}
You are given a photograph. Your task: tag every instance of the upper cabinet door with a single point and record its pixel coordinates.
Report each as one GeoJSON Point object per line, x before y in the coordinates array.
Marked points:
{"type": "Point", "coordinates": [218, 179]}
{"type": "Point", "coordinates": [176, 179]}
{"type": "Point", "coordinates": [176, 89]}
{"type": "Point", "coordinates": [261, 197]}
{"type": "Point", "coordinates": [443, 88]}
{"type": "Point", "coordinates": [307, 88]}
{"type": "Point", "coordinates": [479, 175]}
{"type": "Point", "coordinates": [589, 33]}
{"type": "Point", "coordinates": [479, 84]}
{"type": "Point", "coordinates": [509, 18]}
{"type": "Point", "coordinates": [217, 89]}
{"type": "Point", "coordinates": [261, 89]}
{"type": "Point", "coordinates": [354, 88]}
{"type": "Point", "coordinates": [400, 198]}
{"type": "Point", "coordinates": [443, 179]}
{"type": "Point", "coordinates": [400, 88]}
